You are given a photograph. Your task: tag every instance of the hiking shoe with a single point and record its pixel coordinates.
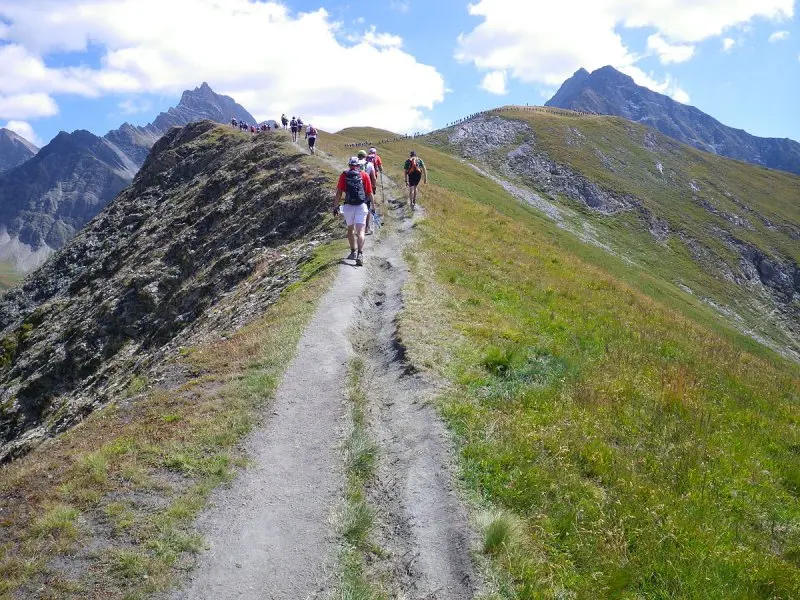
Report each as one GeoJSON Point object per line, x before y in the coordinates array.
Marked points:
{"type": "Point", "coordinates": [352, 255]}
{"type": "Point", "coordinates": [368, 232]}
{"type": "Point", "coordinates": [360, 260]}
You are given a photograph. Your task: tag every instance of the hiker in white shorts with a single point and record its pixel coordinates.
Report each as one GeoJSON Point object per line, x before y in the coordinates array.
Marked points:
{"type": "Point", "coordinates": [356, 187]}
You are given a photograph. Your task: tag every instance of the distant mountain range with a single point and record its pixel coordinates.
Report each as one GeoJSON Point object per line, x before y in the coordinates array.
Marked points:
{"type": "Point", "coordinates": [607, 91]}
{"type": "Point", "coordinates": [47, 198]}
{"type": "Point", "coordinates": [14, 149]}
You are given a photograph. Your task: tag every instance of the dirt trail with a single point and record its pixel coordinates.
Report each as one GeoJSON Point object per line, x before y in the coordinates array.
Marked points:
{"type": "Point", "coordinates": [272, 533]}
{"type": "Point", "coordinates": [421, 521]}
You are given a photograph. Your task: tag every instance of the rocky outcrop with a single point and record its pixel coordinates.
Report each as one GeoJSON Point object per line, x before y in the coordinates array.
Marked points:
{"type": "Point", "coordinates": [212, 215]}
{"type": "Point", "coordinates": [606, 91]}
{"type": "Point", "coordinates": [46, 200]}
{"type": "Point", "coordinates": [482, 137]}
{"type": "Point", "coordinates": [14, 149]}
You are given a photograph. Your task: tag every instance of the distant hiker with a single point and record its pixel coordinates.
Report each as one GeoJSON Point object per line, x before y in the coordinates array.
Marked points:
{"type": "Point", "coordinates": [311, 136]}
{"type": "Point", "coordinates": [299, 124]}
{"type": "Point", "coordinates": [234, 123]}
{"type": "Point", "coordinates": [293, 127]}
{"type": "Point", "coordinates": [252, 129]}
{"type": "Point", "coordinates": [414, 169]}
{"type": "Point", "coordinates": [356, 187]}
{"type": "Point", "coordinates": [284, 121]}
{"type": "Point", "coordinates": [377, 159]}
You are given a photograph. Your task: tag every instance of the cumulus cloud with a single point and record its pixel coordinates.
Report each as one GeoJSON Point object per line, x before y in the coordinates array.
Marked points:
{"type": "Point", "coordinates": [538, 42]}
{"type": "Point", "coordinates": [495, 83]}
{"type": "Point", "coordinates": [669, 53]}
{"type": "Point", "coordinates": [288, 62]}
{"type": "Point", "coordinates": [25, 129]}
{"type": "Point", "coordinates": [778, 36]}
{"type": "Point", "coordinates": [728, 44]}
{"type": "Point", "coordinates": [25, 106]}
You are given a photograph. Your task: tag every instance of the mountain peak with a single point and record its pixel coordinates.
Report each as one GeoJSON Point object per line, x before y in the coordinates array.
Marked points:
{"type": "Point", "coordinates": [607, 91]}
{"type": "Point", "coordinates": [14, 149]}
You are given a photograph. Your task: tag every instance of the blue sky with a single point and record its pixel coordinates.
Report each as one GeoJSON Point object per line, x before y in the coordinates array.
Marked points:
{"type": "Point", "coordinates": [405, 65]}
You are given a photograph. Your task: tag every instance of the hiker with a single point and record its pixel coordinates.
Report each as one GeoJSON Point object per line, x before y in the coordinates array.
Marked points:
{"type": "Point", "coordinates": [376, 160]}
{"type": "Point", "coordinates": [414, 169]}
{"type": "Point", "coordinates": [293, 127]}
{"type": "Point", "coordinates": [356, 187]}
{"type": "Point", "coordinates": [234, 122]}
{"type": "Point", "coordinates": [368, 168]}
{"type": "Point", "coordinates": [284, 121]}
{"type": "Point", "coordinates": [311, 136]}
{"type": "Point", "coordinates": [299, 125]}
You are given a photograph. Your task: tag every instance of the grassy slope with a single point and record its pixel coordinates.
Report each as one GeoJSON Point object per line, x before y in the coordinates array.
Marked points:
{"type": "Point", "coordinates": [648, 451]}
{"type": "Point", "coordinates": [622, 145]}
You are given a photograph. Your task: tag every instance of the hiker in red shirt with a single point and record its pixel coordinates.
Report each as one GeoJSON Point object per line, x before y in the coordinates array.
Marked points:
{"type": "Point", "coordinates": [356, 187]}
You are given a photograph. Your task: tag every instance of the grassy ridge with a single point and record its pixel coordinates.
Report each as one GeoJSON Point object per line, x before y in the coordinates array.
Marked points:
{"type": "Point", "coordinates": [643, 453]}
{"type": "Point", "coordinates": [697, 194]}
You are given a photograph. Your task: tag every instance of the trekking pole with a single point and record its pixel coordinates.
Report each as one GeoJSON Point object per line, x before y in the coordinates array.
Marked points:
{"type": "Point", "coordinates": [383, 195]}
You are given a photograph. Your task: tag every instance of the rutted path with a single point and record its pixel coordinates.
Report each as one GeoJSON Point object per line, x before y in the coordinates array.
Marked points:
{"type": "Point", "coordinates": [421, 522]}
{"type": "Point", "coordinates": [272, 534]}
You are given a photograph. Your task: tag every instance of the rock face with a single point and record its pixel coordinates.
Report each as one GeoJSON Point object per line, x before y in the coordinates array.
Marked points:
{"type": "Point", "coordinates": [14, 149]}
{"type": "Point", "coordinates": [46, 200]}
{"type": "Point", "coordinates": [607, 91]}
{"type": "Point", "coordinates": [214, 226]}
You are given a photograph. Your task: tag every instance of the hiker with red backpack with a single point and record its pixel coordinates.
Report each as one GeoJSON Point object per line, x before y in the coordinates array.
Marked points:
{"type": "Point", "coordinates": [356, 187]}
{"type": "Point", "coordinates": [311, 136]}
{"type": "Point", "coordinates": [414, 169]}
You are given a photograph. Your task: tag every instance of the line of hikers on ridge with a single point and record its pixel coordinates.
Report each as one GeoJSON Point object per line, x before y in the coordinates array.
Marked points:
{"type": "Point", "coordinates": [358, 185]}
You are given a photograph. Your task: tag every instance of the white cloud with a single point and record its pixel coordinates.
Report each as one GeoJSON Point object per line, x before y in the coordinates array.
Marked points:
{"type": "Point", "coordinates": [402, 6]}
{"type": "Point", "coordinates": [778, 36]}
{"type": "Point", "coordinates": [546, 42]}
{"type": "Point", "coordinates": [295, 62]}
{"type": "Point", "coordinates": [382, 40]}
{"type": "Point", "coordinates": [668, 86]}
{"type": "Point", "coordinates": [24, 129]}
{"type": "Point", "coordinates": [728, 44]}
{"type": "Point", "coordinates": [669, 53]}
{"type": "Point", "coordinates": [495, 83]}
{"type": "Point", "coordinates": [133, 106]}
{"type": "Point", "coordinates": [26, 106]}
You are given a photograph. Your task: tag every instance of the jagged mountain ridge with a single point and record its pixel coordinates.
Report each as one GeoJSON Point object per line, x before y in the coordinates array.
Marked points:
{"type": "Point", "coordinates": [213, 217]}
{"type": "Point", "coordinates": [46, 200]}
{"type": "Point", "coordinates": [606, 91]}
{"type": "Point", "coordinates": [14, 149]}
{"type": "Point", "coordinates": [195, 105]}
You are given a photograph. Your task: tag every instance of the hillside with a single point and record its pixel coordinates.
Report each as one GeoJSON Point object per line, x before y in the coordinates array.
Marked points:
{"type": "Point", "coordinates": [46, 200]}
{"type": "Point", "coordinates": [614, 435]}
{"type": "Point", "coordinates": [14, 149]}
{"type": "Point", "coordinates": [606, 91]}
{"type": "Point", "coordinates": [148, 271]}
{"type": "Point", "coordinates": [724, 232]}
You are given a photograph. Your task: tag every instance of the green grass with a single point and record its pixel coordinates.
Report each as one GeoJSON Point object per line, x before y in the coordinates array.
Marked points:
{"type": "Point", "coordinates": [622, 157]}
{"type": "Point", "coordinates": [646, 448]}
{"type": "Point", "coordinates": [169, 449]}
{"type": "Point", "coordinates": [357, 517]}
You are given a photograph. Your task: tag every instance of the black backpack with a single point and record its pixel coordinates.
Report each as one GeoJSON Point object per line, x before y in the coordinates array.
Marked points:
{"type": "Point", "coordinates": [354, 187]}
